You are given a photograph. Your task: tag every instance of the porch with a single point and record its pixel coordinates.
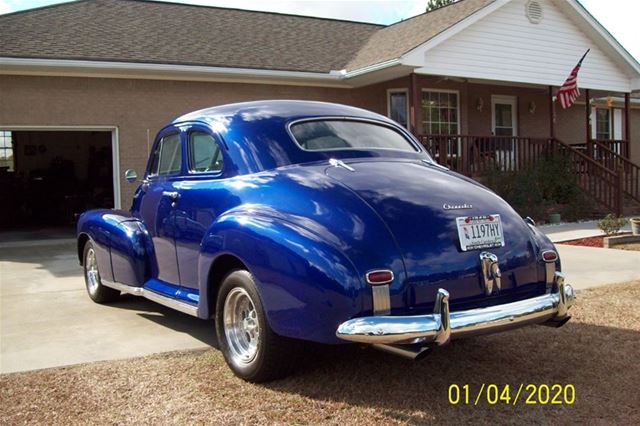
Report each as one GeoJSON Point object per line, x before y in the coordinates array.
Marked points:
{"type": "Point", "coordinates": [474, 127]}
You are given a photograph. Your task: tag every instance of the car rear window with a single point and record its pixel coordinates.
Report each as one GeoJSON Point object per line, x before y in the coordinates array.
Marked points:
{"type": "Point", "coordinates": [323, 135]}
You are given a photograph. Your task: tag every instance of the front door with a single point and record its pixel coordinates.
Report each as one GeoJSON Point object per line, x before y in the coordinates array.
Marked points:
{"type": "Point", "coordinates": [504, 123]}
{"type": "Point", "coordinates": [203, 196]}
{"type": "Point", "coordinates": [159, 196]}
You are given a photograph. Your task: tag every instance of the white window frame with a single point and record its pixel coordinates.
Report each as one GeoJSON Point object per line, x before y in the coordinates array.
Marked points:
{"type": "Point", "coordinates": [508, 100]}
{"type": "Point", "coordinates": [10, 148]}
{"type": "Point", "coordinates": [399, 90]}
{"type": "Point", "coordinates": [432, 89]}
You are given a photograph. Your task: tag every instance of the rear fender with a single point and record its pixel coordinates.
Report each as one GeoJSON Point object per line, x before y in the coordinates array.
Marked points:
{"type": "Point", "coordinates": [307, 286]}
{"type": "Point", "coordinates": [124, 248]}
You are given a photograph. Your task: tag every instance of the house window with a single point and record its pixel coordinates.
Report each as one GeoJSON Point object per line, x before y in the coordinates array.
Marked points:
{"type": "Point", "coordinates": [6, 151]}
{"type": "Point", "coordinates": [398, 106]}
{"type": "Point", "coordinates": [603, 124]}
{"type": "Point", "coordinates": [439, 112]}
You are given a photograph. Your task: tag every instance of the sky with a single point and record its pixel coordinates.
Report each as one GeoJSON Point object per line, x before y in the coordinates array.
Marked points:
{"type": "Point", "coordinates": [617, 16]}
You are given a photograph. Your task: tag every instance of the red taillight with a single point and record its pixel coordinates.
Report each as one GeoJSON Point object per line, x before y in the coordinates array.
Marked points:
{"type": "Point", "coordinates": [378, 277]}
{"type": "Point", "coordinates": [549, 256]}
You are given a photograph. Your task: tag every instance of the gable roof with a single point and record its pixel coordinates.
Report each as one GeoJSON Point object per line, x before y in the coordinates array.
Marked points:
{"type": "Point", "coordinates": [169, 33]}
{"type": "Point", "coordinates": [150, 39]}
{"type": "Point", "coordinates": [395, 40]}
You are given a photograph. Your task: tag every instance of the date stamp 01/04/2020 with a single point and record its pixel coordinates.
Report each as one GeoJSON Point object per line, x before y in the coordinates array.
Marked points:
{"type": "Point", "coordinates": [506, 394]}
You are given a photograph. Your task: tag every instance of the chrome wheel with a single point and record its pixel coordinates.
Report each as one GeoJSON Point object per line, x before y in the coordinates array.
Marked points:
{"type": "Point", "coordinates": [241, 326]}
{"type": "Point", "coordinates": [91, 271]}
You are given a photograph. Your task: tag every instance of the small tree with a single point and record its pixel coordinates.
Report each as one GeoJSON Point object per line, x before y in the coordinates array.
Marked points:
{"type": "Point", "coordinates": [435, 4]}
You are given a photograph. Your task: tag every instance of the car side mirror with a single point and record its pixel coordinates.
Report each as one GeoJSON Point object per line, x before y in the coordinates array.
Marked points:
{"type": "Point", "coordinates": [131, 176]}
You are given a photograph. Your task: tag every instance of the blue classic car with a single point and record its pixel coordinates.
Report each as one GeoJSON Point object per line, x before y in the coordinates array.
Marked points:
{"type": "Point", "coordinates": [291, 221]}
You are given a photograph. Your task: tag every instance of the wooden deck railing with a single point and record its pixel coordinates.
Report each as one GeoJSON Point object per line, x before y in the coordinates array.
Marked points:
{"type": "Point", "coordinates": [477, 155]}
{"type": "Point", "coordinates": [620, 147]}
{"type": "Point", "coordinates": [614, 161]}
{"type": "Point", "coordinates": [602, 184]}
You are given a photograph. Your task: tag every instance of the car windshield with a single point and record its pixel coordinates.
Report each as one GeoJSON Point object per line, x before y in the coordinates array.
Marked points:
{"type": "Point", "coordinates": [322, 135]}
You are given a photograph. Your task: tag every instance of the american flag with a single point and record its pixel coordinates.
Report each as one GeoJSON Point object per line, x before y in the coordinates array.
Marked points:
{"type": "Point", "coordinates": [569, 91]}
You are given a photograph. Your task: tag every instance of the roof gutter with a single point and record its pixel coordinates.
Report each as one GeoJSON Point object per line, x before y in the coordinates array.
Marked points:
{"type": "Point", "coordinates": [84, 68]}
{"type": "Point", "coordinates": [371, 68]}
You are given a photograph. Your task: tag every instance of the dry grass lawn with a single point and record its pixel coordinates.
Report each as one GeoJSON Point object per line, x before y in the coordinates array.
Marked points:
{"type": "Point", "coordinates": [598, 352]}
{"type": "Point", "coordinates": [631, 246]}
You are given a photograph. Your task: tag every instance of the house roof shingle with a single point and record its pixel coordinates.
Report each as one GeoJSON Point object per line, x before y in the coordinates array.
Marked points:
{"type": "Point", "coordinates": [393, 41]}
{"type": "Point", "coordinates": [168, 33]}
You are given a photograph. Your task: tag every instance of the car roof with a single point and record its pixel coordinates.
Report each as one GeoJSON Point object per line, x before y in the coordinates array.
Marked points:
{"type": "Point", "coordinates": [279, 110]}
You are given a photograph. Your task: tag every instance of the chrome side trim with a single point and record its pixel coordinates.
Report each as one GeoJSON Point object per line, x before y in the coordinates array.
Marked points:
{"type": "Point", "coordinates": [381, 299]}
{"type": "Point", "coordinates": [153, 296]}
{"type": "Point", "coordinates": [442, 325]}
{"type": "Point", "coordinates": [549, 270]}
{"type": "Point", "coordinates": [549, 273]}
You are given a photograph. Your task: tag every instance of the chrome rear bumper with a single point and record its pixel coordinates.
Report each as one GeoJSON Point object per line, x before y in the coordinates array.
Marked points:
{"type": "Point", "coordinates": [441, 326]}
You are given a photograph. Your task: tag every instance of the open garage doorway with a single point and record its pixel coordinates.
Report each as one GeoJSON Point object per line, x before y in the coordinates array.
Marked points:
{"type": "Point", "coordinates": [49, 176]}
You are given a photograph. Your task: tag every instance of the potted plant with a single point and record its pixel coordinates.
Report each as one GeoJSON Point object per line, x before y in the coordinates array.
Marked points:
{"type": "Point", "coordinates": [635, 225]}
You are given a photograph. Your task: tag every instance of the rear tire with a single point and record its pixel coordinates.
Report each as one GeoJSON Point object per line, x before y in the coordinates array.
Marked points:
{"type": "Point", "coordinates": [96, 290]}
{"type": "Point", "coordinates": [250, 347]}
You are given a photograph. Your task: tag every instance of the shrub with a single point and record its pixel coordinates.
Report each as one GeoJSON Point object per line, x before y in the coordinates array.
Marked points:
{"type": "Point", "coordinates": [611, 225]}
{"type": "Point", "coordinates": [549, 186]}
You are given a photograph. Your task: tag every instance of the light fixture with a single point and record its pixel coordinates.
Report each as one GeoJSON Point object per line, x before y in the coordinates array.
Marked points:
{"type": "Point", "coordinates": [532, 107]}
{"type": "Point", "coordinates": [609, 101]}
{"type": "Point", "coordinates": [479, 104]}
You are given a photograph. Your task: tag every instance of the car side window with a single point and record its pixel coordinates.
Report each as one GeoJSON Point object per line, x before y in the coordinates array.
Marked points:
{"type": "Point", "coordinates": [204, 153]}
{"type": "Point", "coordinates": [167, 159]}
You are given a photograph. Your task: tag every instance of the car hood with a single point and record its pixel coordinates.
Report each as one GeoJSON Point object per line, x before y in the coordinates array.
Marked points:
{"type": "Point", "coordinates": [417, 202]}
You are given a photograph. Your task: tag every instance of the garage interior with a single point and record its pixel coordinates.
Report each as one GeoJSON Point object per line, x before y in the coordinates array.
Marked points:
{"type": "Point", "coordinates": [48, 177]}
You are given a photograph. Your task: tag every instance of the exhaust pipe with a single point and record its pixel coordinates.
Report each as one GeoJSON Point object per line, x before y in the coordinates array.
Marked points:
{"type": "Point", "coordinates": [412, 352]}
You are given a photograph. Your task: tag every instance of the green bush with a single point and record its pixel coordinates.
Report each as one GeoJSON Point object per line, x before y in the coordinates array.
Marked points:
{"type": "Point", "coordinates": [611, 225]}
{"type": "Point", "coordinates": [549, 186]}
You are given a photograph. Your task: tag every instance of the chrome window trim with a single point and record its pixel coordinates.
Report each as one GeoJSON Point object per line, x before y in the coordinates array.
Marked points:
{"type": "Point", "coordinates": [402, 132]}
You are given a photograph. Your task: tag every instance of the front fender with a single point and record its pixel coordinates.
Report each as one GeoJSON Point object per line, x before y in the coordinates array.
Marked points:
{"type": "Point", "coordinates": [308, 287]}
{"type": "Point", "coordinates": [123, 247]}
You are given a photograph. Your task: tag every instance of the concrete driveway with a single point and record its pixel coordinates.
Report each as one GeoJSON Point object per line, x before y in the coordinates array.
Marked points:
{"type": "Point", "coordinates": [47, 319]}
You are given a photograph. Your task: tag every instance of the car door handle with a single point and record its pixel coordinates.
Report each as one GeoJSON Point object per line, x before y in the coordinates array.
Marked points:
{"type": "Point", "coordinates": [174, 195]}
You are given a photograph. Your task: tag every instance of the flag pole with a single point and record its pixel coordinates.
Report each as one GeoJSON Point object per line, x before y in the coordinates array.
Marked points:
{"type": "Point", "coordinates": [584, 56]}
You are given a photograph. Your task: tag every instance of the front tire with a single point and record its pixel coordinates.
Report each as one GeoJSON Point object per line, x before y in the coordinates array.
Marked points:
{"type": "Point", "coordinates": [251, 349]}
{"type": "Point", "coordinates": [96, 290]}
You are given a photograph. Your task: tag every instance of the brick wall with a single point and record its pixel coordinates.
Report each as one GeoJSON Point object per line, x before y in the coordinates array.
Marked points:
{"type": "Point", "coordinates": [137, 107]}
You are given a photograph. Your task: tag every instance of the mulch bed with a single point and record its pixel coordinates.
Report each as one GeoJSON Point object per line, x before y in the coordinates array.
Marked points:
{"type": "Point", "coordinates": [599, 242]}
{"type": "Point", "coordinates": [586, 242]}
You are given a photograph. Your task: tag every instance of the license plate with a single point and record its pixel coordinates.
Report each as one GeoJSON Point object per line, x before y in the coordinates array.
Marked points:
{"type": "Point", "coordinates": [480, 232]}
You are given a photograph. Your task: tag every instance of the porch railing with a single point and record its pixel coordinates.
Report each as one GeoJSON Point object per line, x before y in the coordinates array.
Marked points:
{"type": "Point", "coordinates": [620, 147]}
{"type": "Point", "coordinates": [613, 160]}
{"type": "Point", "coordinates": [477, 155]}
{"type": "Point", "coordinates": [604, 185]}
